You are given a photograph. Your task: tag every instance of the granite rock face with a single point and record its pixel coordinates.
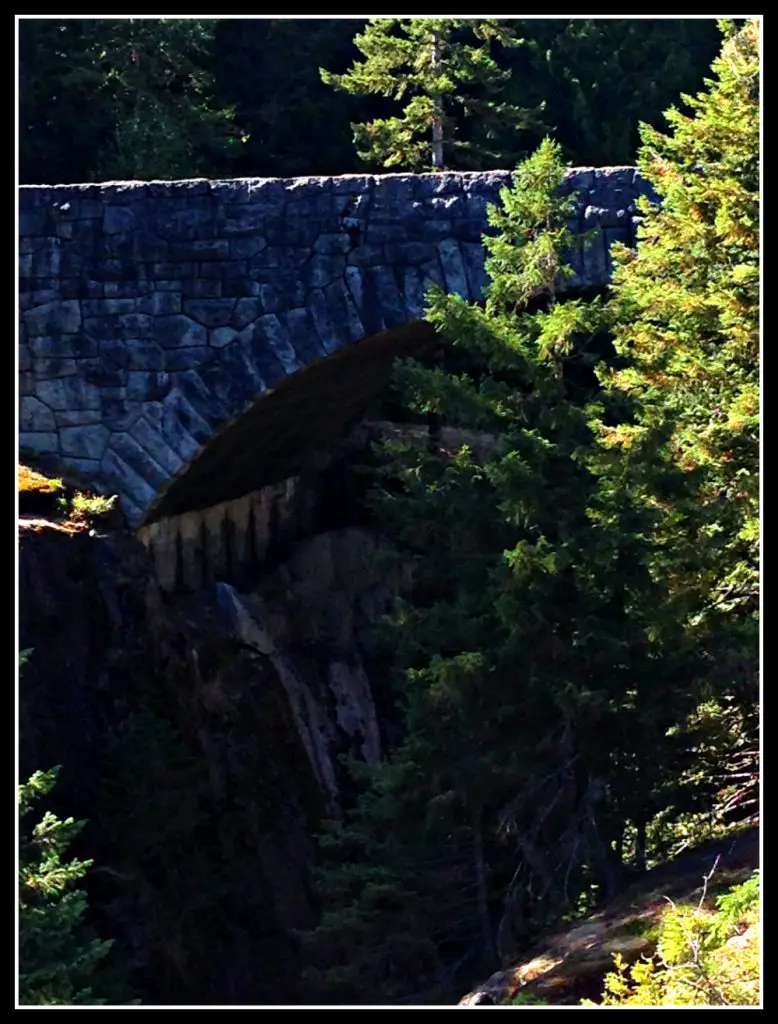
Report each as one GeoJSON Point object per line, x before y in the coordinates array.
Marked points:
{"type": "Point", "coordinates": [154, 314]}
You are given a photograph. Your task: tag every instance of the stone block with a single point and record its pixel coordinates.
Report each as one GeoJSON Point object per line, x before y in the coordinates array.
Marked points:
{"type": "Point", "coordinates": [276, 338]}
{"type": "Point", "coordinates": [413, 293]}
{"type": "Point", "coordinates": [125, 327]}
{"type": "Point", "coordinates": [367, 256]}
{"type": "Point", "coordinates": [344, 313]}
{"type": "Point", "coordinates": [35, 416]}
{"type": "Point", "coordinates": [108, 306]}
{"type": "Point", "coordinates": [409, 254]}
{"type": "Point", "coordinates": [47, 262]}
{"type": "Point", "coordinates": [263, 365]}
{"type": "Point", "coordinates": [189, 358]}
{"type": "Point", "coordinates": [172, 270]}
{"type": "Point", "coordinates": [207, 404]}
{"type": "Point", "coordinates": [180, 424]}
{"type": "Point", "coordinates": [332, 244]}
{"type": "Point", "coordinates": [437, 229]}
{"type": "Point", "coordinates": [328, 335]}
{"type": "Point", "coordinates": [41, 443]}
{"type": "Point", "coordinates": [147, 385]}
{"type": "Point", "coordinates": [79, 418]}
{"type": "Point", "coordinates": [68, 393]}
{"type": "Point", "coordinates": [387, 297]}
{"type": "Point", "coordinates": [302, 335]}
{"type": "Point", "coordinates": [245, 248]}
{"type": "Point", "coordinates": [153, 441]}
{"type": "Point", "coordinates": [47, 369]}
{"type": "Point", "coordinates": [322, 270]}
{"type": "Point", "coordinates": [130, 289]}
{"type": "Point", "coordinates": [222, 336]}
{"type": "Point", "coordinates": [221, 270]}
{"type": "Point", "coordinates": [199, 249]}
{"type": "Point", "coordinates": [118, 219]}
{"type": "Point", "coordinates": [139, 460]}
{"type": "Point", "coordinates": [247, 310]}
{"type": "Point", "coordinates": [32, 221]}
{"type": "Point", "coordinates": [87, 442]}
{"type": "Point", "coordinates": [453, 268]}
{"type": "Point", "coordinates": [127, 481]}
{"type": "Point", "coordinates": [473, 258]}
{"type": "Point", "coordinates": [57, 347]}
{"type": "Point", "coordinates": [53, 318]}
{"type": "Point", "coordinates": [117, 411]}
{"type": "Point", "coordinates": [197, 288]}
{"type": "Point", "coordinates": [210, 312]}
{"type": "Point", "coordinates": [179, 331]}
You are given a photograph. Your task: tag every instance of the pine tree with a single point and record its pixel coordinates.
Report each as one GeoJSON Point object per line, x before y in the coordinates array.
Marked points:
{"type": "Point", "coordinates": [425, 63]}
{"type": "Point", "coordinates": [685, 315]}
{"type": "Point", "coordinates": [57, 956]}
{"type": "Point", "coordinates": [520, 646]}
{"type": "Point", "coordinates": [581, 591]}
{"type": "Point", "coordinates": [148, 90]}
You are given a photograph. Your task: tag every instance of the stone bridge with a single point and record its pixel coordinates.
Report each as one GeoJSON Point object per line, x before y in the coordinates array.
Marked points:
{"type": "Point", "coordinates": [186, 343]}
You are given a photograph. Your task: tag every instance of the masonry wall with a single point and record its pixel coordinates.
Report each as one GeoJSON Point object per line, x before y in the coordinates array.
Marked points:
{"type": "Point", "coordinates": [154, 313]}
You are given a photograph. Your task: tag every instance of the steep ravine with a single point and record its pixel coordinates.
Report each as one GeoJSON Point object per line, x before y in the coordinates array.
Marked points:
{"type": "Point", "coordinates": [200, 734]}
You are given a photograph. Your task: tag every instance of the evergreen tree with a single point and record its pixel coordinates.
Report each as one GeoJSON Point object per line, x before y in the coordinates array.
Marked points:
{"type": "Point", "coordinates": [685, 315]}
{"type": "Point", "coordinates": [146, 85]}
{"type": "Point", "coordinates": [600, 77]}
{"type": "Point", "coordinates": [580, 592]}
{"type": "Point", "coordinates": [427, 63]}
{"type": "Point", "coordinates": [57, 955]}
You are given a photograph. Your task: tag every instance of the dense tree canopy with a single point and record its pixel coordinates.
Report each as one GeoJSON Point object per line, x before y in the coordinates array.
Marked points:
{"type": "Point", "coordinates": [585, 581]}
{"type": "Point", "coordinates": [574, 667]}
{"type": "Point", "coordinates": [245, 97]}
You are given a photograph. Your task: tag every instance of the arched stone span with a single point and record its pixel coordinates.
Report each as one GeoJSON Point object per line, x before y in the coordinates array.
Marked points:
{"type": "Point", "coordinates": [153, 315]}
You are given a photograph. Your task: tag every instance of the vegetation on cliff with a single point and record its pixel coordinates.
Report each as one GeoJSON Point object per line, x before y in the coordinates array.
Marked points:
{"type": "Point", "coordinates": [57, 954]}
{"type": "Point", "coordinates": [703, 958]}
{"type": "Point", "coordinates": [595, 578]}
{"type": "Point", "coordinates": [574, 670]}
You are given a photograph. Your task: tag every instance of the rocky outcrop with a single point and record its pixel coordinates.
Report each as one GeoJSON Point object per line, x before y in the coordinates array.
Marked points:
{"type": "Point", "coordinates": [154, 315]}
{"type": "Point", "coordinates": [566, 967]}
{"type": "Point", "coordinates": [201, 735]}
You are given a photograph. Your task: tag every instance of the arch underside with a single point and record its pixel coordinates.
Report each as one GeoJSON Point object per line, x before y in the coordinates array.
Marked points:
{"type": "Point", "coordinates": [284, 428]}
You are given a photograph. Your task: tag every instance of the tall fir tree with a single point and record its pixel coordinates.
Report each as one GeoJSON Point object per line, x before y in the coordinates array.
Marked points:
{"type": "Point", "coordinates": [571, 585]}
{"type": "Point", "coordinates": [428, 64]}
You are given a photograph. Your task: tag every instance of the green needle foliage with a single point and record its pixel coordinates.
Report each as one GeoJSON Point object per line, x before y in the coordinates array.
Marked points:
{"type": "Point", "coordinates": [577, 657]}
{"type": "Point", "coordinates": [57, 957]}
{"type": "Point", "coordinates": [428, 65]}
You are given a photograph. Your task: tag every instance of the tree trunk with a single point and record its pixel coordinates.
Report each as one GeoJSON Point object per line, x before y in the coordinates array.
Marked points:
{"type": "Point", "coordinates": [437, 119]}
{"type": "Point", "coordinates": [640, 846]}
{"type": "Point", "coordinates": [481, 893]}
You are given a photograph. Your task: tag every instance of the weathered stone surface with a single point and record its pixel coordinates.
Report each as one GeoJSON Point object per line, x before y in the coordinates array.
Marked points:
{"type": "Point", "coordinates": [172, 331]}
{"type": "Point", "coordinates": [47, 369]}
{"type": "Point", "coordinates": [210, 312]}
{"type": "Point", "coordinates": [453, 268]}
{"type": "Point", "coordinates": [79, 418]}
{"type": "Point", "coordinates": [68, 393]}
{"type": "Point", "coordinates": [153, 441]}
{"type": "Point", "coordinates": [44, 443]}
{"type": "Point", "coordinates": [53, 318]}
{"type": "Point", "coordinates": [160, 312]}
{"type": "Point", "coordinates": [34, 415]}
{"type": "Point", "coordinates": [87, 442]}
